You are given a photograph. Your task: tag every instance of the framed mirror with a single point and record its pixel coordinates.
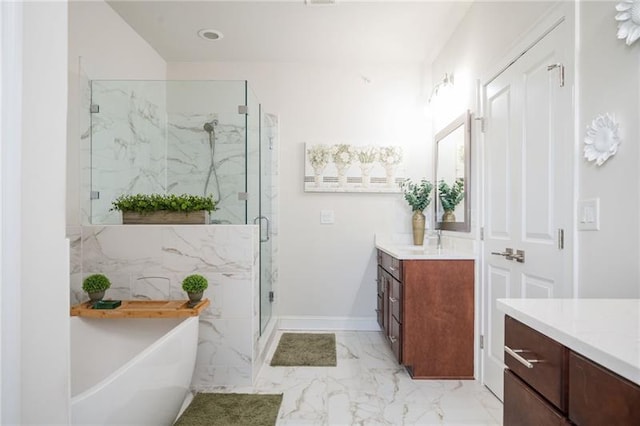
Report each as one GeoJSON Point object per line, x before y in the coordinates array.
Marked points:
{"type": "Point", "coordinates": [453, 152]}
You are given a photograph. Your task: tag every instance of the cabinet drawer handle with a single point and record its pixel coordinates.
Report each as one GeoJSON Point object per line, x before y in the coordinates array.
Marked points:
{"type": "Point", "coordinates": [515, 354]}
{"type": "Point", "coordinates": [392, 339]}
{"type": "Point", "coordinates": [392, 299]}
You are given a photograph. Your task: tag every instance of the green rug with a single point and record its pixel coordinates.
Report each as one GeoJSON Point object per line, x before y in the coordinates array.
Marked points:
{"type": "Point", "coordinates": [305, 349]}
{"type": "Point", "coordinates": [231, 409]}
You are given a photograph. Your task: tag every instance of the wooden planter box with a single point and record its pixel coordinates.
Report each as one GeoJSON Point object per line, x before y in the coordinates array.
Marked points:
{"type": "Point", "coordinates": [164, 217]}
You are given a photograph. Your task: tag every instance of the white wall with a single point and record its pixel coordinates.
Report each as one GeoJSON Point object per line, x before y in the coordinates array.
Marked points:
{"type": "Point", "coordinates": [101, 47]}
{"type": "Point", "coordinates": [609, 81]}
{"type": "Point", "coordinates": [44, 281]}
{"type": "Point", "coordinates": [328, 271]}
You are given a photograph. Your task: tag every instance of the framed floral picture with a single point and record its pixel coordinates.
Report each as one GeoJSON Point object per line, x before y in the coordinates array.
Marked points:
{"type": "Point", "coordinates": [352, 168]}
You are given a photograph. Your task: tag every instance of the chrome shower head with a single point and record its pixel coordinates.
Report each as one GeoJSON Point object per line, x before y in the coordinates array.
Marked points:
{"type": "Point", "coordinates": [208, 127]}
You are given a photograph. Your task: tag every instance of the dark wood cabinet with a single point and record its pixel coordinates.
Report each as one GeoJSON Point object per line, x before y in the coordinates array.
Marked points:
{"type": "Point", "coordinates": [426, 309]}
{"type": "Point", "coordinates": [546, 383]}
{"type": "Point", "coordinates": [599, 397]}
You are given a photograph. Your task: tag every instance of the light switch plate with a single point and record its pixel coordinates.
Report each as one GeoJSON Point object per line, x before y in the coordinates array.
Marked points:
{"type": "Point", "coordinates": [589, 215]}
{"type": "Point", "coordinates": [327, 217]}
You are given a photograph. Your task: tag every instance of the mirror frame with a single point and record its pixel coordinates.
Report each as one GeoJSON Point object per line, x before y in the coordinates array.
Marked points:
{"type": "Point", "coordinates": [463, 121]}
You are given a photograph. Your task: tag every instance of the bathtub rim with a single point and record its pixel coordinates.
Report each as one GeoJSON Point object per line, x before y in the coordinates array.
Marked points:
{"type": "Point", "coordinates": [126, 366]}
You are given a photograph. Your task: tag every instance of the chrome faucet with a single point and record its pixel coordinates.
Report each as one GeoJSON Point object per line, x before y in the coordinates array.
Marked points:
{"type": "Point", "coordinates": [439, 234]}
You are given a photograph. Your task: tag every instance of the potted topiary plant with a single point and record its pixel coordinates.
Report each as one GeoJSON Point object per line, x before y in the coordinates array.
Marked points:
{"type": "Point", "coordinates": [195, 285]}
{"type": "Point", "coordinates": [450, 197]}
{"type": "Point", "coordinates": [95, 285]}
{"type": "Point", "coordinates": [164, 208]}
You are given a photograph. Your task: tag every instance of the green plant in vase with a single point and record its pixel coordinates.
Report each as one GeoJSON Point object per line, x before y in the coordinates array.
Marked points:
{"type": "Point", "coordinates": [195, 285]}
{"type": "Point", "coordinates": [95, 285]}
{"type": "Point", "coordinates": [418, 195]}
{"type": "Point", "coordinates": [450, 197]}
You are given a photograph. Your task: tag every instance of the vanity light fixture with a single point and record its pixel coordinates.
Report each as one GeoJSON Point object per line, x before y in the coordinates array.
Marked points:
{"type": "Point", "coordinates": [446, 81]}
{"type": "Point", "coordinates": [210, 35]}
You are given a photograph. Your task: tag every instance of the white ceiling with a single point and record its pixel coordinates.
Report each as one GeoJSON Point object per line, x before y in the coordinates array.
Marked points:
{"type": "Point", "coordinates": [290, 31]}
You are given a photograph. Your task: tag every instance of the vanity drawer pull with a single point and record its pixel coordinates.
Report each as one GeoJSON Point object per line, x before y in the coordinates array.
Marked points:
{"type": "Point", "coordinates": [515, 354]}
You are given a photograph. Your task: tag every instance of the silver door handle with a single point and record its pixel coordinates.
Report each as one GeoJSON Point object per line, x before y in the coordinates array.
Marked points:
{"type": "Point", "coordinates": [258, 219]}
{"type": "Point", "coordinates": [508, 253]}
{"type": "Point", "coordinates": [518, 256]}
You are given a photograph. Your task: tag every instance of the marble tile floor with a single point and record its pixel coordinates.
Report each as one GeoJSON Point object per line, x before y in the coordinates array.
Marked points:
{"type": "Point", "coordinates": [368, 387]}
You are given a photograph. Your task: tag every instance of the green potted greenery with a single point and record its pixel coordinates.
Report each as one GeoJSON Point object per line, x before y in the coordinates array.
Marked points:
{"type": "Point", "coordinates": [450, 197]}
{"type": "Point", "coordinates": [95, 285]}
{"type": "Point", "coordinates": [195, 285]}
{"type": "Point", "coordinates": [418, 195]}
{"type": "Point", "coordinates": [164, 208]}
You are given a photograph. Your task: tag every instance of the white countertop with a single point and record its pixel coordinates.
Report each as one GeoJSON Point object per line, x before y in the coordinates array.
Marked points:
{"type": "Point", "coordinates": [607, 331]}
{"type": "Point", "coordinates": [426, 252]}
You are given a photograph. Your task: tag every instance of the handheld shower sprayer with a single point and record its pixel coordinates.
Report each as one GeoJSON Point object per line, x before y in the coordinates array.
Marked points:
{"type": "Point", "coordinates": [209, 126]}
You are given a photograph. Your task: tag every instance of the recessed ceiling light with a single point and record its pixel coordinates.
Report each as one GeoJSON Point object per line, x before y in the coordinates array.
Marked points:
{"type": "Point", "coordinates": [210, 35]}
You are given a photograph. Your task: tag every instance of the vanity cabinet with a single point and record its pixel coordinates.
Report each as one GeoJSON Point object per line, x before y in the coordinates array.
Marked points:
{"type": "Point", "coordinates": [546, 383]}
{"type": "Point", "coordinates": [426, 310]}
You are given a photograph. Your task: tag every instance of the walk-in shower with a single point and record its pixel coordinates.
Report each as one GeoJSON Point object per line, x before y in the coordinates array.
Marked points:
{"type": "Point", "coordinates": [194, 137]}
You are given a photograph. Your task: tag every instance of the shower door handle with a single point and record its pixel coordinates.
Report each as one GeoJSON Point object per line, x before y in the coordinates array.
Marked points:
{"type": "Point", "coordinates": [258, 219]}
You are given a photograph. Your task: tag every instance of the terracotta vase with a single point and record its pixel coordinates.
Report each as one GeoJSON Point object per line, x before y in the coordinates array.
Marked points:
{"type": "Point", "coordinates": [418, 221]}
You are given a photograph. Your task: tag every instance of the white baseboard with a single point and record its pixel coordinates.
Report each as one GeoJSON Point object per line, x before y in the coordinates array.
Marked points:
{"type": "Point", "coordinates": [329, 323]}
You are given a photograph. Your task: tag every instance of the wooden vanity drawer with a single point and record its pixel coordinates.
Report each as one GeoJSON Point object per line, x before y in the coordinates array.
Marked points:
{"type": "Point", "coordinates": [395, 337]}
{"type": "Point", "coordinates": [391, 265]}
{"type": "Point", "coordinates": [524, 407]}
{"type": "Point", "coordinates": [395, 300]}
{"type": "Point", "coordinates": [548, 376]}
{"type": "Point", "coordinates": [600, 397]}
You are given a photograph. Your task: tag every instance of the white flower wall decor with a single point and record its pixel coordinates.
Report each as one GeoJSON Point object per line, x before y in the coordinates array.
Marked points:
{"type": "Point", "coordinates": [628, 18]}
{"type": "Point", "coordinates": [352, 168]}
{"type": "Point", "coordinates": [602, 139]}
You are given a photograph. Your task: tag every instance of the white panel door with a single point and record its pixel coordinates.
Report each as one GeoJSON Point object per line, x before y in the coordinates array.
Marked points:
{"type": "Point", "coordinates": [527, 188]}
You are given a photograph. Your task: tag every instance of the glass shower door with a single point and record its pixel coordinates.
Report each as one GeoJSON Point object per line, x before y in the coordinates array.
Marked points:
{"type": "Point", "coordinates": [258, 198]}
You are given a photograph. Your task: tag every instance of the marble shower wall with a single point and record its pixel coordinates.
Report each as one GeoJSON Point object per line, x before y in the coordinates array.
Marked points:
{"type": "Point", "coordinates": [149, 136]}
{"type": "Point", "coordinates": [128, 142]}
{"type": "Point", "coordinates": [149, 262]}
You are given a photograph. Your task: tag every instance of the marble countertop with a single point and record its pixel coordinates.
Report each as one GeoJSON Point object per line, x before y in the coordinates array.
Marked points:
{"type": "Point", "coordinates": [426, 252]}
{"type": "Point", "coordinates": [606, 331]}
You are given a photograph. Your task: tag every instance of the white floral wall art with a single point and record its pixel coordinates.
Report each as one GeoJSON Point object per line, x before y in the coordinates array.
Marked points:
{"type": "Point", "coordinates": [352, 168]}
{"type": "Point", "coordinates": [628, 18]}
{"type": "Point", "coordinates": [602, 139]}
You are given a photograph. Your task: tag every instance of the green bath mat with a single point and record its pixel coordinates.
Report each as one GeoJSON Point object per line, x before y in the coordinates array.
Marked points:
{"type": "Point", "coordinates": [231, 409]}
{"type": "Point", "coordinates": [305, 349]}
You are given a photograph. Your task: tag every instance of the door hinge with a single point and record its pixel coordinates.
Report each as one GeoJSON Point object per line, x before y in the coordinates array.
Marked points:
{"type": "Point", "coordinates": [94, 108]}
{"type": "Point", "coordinates": [560, 239]}
{"type": "Point", "coordinates": [561, 69]}
{"type": "Point", "coordinates": [271, 296]}
{"type": "Point", "coordinates": [243, 196]}
{"type": "Point", "coordinates": [94, 195]}
{"type": "Point", "coordinates": [482, 123]}
{"type": "Point", "coordinates": [481, 341]}
{"type": "Point", "coordinates": [482, 234]}
{"type": "Point", "coordinates": [243, 109]}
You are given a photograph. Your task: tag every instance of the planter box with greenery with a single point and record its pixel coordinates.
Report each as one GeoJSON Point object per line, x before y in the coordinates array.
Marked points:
{"type": "Point", "coordinates": [164, 208]}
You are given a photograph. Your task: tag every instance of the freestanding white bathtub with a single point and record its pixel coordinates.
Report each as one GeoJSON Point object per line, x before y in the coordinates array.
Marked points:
{"type": "Point", "coordinates": [131, 371]}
